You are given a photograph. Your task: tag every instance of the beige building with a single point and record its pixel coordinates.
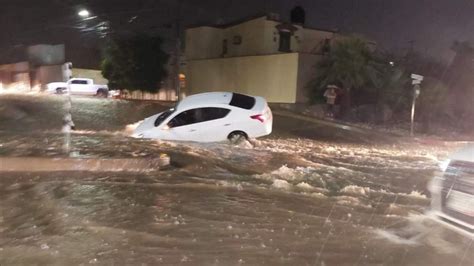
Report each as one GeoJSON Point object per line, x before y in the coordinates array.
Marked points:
{"type": "Point", "coordinates": [259, 56]}
{"type": "Point", "coordinates": [30, 68]}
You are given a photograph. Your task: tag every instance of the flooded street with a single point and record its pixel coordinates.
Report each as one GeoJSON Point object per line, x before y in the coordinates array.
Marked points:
{"type": "Point", "coordinates": [309, 194]}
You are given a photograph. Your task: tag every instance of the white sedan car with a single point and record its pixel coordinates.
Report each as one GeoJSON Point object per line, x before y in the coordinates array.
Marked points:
{"type": "Point", "coordinates": [452, 192]}
{"type": "Point", "coordinates": [210, 117]}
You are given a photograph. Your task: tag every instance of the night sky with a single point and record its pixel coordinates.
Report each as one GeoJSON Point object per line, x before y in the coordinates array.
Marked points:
{"type": "Point", "coordinates": [429, 25]}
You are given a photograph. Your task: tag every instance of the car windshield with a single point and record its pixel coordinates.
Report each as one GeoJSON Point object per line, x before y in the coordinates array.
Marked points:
{"type": "Point", "coordinates": [162, 117]}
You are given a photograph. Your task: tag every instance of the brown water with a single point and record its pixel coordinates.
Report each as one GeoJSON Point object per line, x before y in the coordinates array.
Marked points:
{"type": "Point", "coordinates": [308, 195]}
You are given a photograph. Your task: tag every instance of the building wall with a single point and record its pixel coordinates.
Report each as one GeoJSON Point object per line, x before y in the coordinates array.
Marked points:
{"type": "Point", "coordinates": [256, 66]}
{"type": "Point", "coordinates": [203, 42]}
{"type": "Point", "coordinates": [271, 76]}
{"type": "Point", "coordinates": [45, 54]}
{"type": "Point", "coordinates": [272, 38]}
{"type": "Point", "coordinates": [259, 37]}
{"type": "Point", "coordinates": [46, 74]}
{"type": "Point", "coordinates": [306, 73]}
{"type": "Point", "coordinates": [312, 41]}
{"type": "Point", "coordinates": [253, 39]}
{"type": "Point", "coordinates": [15, 76]}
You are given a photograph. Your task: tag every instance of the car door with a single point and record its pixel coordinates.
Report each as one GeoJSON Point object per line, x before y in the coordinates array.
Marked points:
{"type": "Point", "coordinates": [181, 127]}
{"type": "Point", "coordinates": [78, 86]}
{"type": "Point", "coordinates": [216, 126]}
{"type": "Point", "coordinates": [199, 124]}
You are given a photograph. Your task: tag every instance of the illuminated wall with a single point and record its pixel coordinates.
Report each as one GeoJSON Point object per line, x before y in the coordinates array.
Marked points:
{"type": "Point", "coordinates": [253, 65]}
{"type": "Point", "coordinates": [274, 77]}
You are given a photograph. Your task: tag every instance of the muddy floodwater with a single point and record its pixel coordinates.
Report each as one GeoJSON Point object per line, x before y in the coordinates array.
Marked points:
{"type": "Point", "coordinates": [309, 194]}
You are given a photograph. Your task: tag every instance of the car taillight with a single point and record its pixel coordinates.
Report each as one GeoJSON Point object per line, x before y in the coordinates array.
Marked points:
{"type": "Point", "coordinates": [260, 117]}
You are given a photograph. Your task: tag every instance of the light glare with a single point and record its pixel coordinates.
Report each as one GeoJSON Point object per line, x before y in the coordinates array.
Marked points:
{"type": "Point", "coordinates": [83, 13]}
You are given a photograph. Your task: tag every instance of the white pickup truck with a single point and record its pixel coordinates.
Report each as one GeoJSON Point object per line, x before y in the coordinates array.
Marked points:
{"type": "Point", "coordinates": [78, 86]}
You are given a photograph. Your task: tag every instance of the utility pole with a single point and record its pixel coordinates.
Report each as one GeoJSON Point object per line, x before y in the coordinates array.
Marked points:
{"type": "Point", "coordinates": [416, 81]}
{"type": "Point", "coordinates": [178, 50]}
{"type": "Point", "coordinates": [177, 60]}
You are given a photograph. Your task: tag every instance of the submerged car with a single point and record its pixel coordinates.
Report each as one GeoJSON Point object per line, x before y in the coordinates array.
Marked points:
{"type": "Point", "coordinates": [452, 192]}
{"type": "Point", "coordinates": [210, 117]}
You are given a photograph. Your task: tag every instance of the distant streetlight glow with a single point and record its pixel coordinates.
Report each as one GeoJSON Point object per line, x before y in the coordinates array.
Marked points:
{"type": "Point", "coordinates": [83, 13]}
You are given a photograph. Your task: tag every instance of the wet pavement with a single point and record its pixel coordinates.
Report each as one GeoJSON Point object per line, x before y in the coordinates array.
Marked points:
{"type": "Point", "coordinates": [309, 194]}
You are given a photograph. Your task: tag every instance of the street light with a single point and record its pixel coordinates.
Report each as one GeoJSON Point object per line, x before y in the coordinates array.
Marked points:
{"type": "Point", "coordinates": [84, 13]}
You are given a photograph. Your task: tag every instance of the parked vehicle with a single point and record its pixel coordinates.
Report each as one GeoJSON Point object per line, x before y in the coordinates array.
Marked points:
{"type": "Point", "coordinates": [78, 86]}
{"type": "Point", "coordinates": [452, 192]}
{"type": "Point", "coordinates": [210, 117]}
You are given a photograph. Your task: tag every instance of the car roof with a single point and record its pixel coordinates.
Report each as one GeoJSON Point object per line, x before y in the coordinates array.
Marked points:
{"type": "Point", "coordinates": [464, 154]}
{"type": "Point", "coordinates": [207, 98]}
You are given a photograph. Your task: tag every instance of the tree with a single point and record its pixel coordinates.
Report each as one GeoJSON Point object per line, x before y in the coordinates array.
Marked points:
{"type": "Point", "coordinates": [135, 63]}
{"type": "Point", "coordinates": [350, 65]}
{"type": "Point", "coordinates": [460, 80]}
{"type": "Point", "coordinates": [433, 103]}
{"type": "Point", "coordinates": [391, 86]}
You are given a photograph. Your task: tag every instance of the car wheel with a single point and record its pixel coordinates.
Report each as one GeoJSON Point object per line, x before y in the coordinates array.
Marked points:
{"type": "Point", "coordinates": [237, 137]}
{"type": "Point", "coordinates": [60, 90]}
{"type": "Point", "coordinates": [102, 93]}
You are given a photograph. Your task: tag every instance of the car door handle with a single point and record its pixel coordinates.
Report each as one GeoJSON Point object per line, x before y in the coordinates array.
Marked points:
{"type": "Point", "coordinates": [192, 130]}
{"type": "Point", "coordinates": [226, 125]}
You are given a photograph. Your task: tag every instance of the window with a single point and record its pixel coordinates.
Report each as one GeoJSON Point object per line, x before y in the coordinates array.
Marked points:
{"type": "Point", "coordinates": [79, 81]}
{"type": "Point", "coordinates": [242, 101]}
{"type": "Point", "coordinates": [198, 115]}
{"type": "Point", "coordinates": [212, 113]}
{"type": "Point", "coordinates": [163, 116]}
{"type": "Point", "coordinates": [224, 47]}
{"type": "Point", "coordinates": [285, 41]}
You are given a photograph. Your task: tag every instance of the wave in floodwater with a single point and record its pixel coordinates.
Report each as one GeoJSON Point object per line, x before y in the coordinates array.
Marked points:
{"type": "Point", "coordinates": [278, 201]}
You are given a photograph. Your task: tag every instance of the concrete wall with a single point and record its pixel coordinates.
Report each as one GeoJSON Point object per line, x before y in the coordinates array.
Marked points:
{"type": "Point", "coordinates": [47, 74]}
{"type": "Point", "coordinates": [272, 76]}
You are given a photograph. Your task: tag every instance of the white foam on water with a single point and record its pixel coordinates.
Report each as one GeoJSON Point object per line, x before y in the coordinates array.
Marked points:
{"type": "Point", "coordinates": [394, 238]}
{"type": "Point", "coordinates": [131, 127]}
{"type": "Point", "coordinates": [365, 191]}
{"type": "Point", "coordinates": [349, 201]}
{"type": "Point", "coordinates": [290, 174]}
{"type": "Point", "coordinates": [355, 190]}
{"type": "Point", "coordinates": [416, 194]}
{"type": "Point", "coordinates": [229, 184]}
{"type": "Point", "coordinates": [281, 184]}
{"type": "Point", "coordinates": [315, 194]}
{"type": "Point", "coordinates": [305, 186]}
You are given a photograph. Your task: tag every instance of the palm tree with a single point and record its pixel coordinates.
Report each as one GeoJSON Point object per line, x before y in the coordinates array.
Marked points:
{"type": "Point", "coordinates": [350, 65]}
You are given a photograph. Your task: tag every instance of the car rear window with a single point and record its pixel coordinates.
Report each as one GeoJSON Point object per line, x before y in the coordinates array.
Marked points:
{"type": "Point", "coordinates": [242, 101]}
